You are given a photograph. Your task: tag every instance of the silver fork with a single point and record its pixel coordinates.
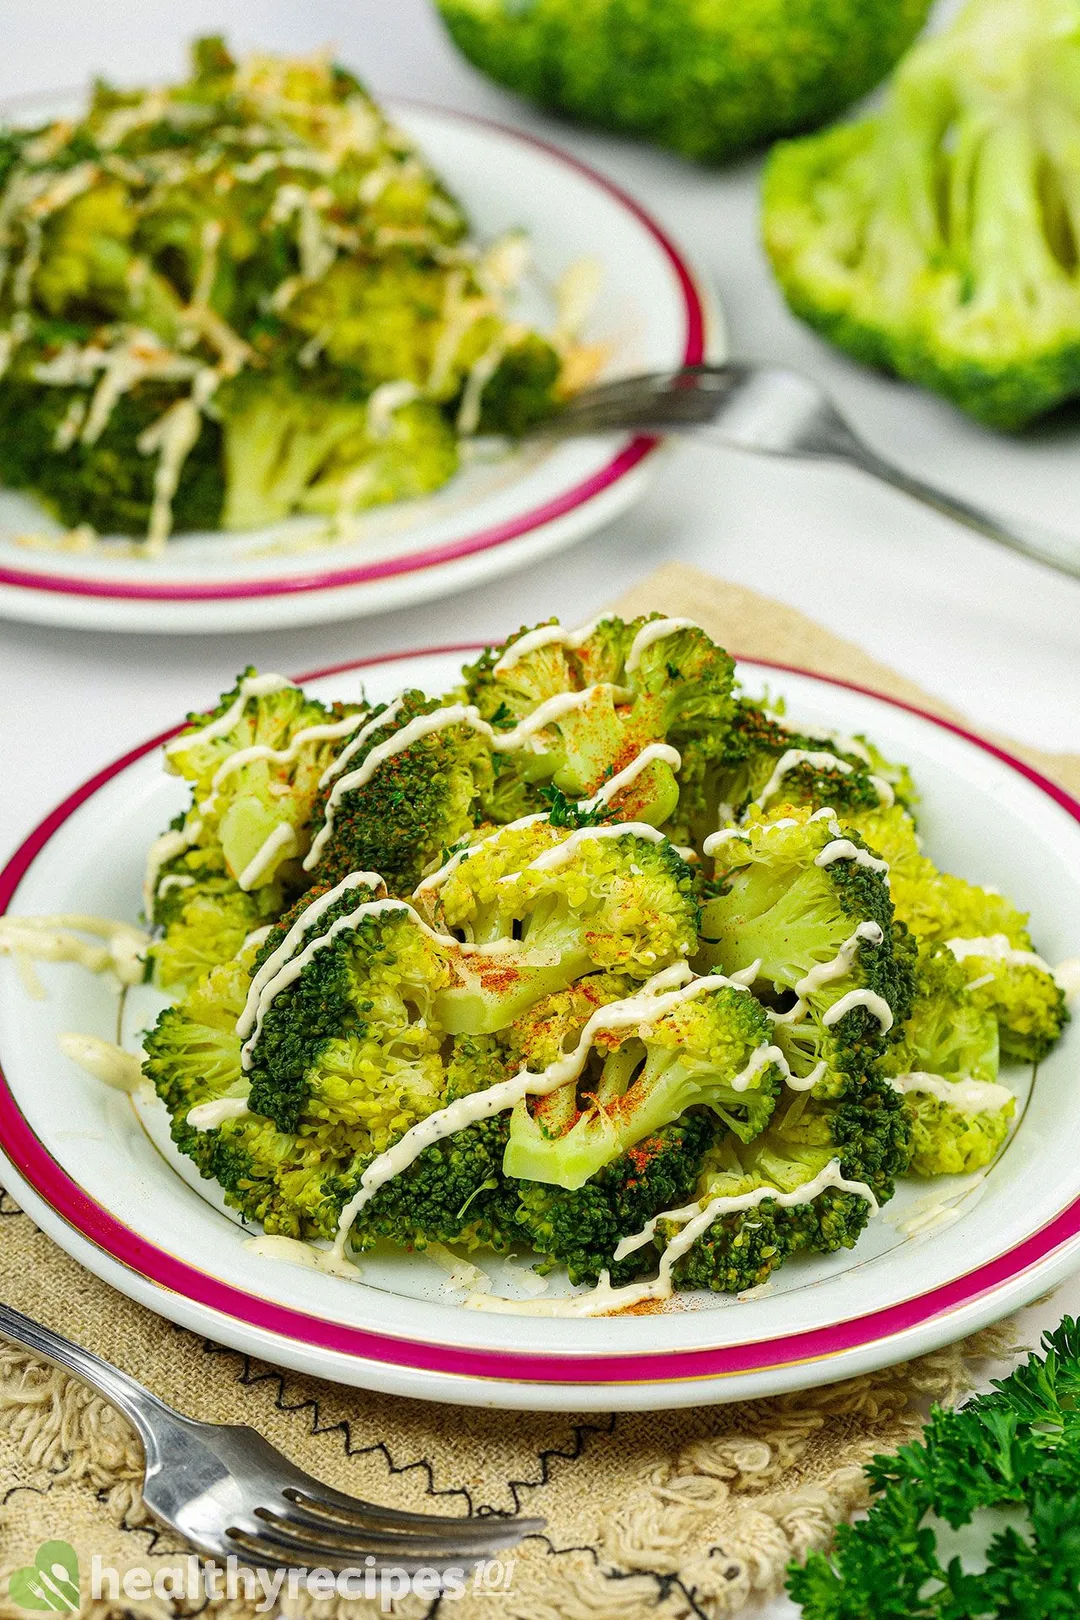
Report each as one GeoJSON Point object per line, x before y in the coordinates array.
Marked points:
{"type": "Point", "coordinates": [781, 413]}
{"type": "Point", "coordinates": [228, 1491]}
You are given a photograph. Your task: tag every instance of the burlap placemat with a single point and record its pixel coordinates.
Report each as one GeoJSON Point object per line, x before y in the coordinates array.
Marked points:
{"type": "Point", "coordinates": [674, 1514]}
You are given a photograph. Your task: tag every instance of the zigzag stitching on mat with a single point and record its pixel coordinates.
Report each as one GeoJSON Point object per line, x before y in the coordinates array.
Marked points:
{"type": "Point", "coordinates": [250, 1378]}
{"type": "Point", "coordinates": [36, 1490]}
{"type": "Point", "coordinates": [550, 1453]}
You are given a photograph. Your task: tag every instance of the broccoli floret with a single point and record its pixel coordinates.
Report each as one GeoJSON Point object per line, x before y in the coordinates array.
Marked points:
{"type": "Point", "coordinates": [678, 690]}
{"type": "Point", "coordinates": [950, 1141]}
{"type": "Point", "coordinates": [256, 781]}
{"type": "Point", "coordinates": [937, 239]}
{"type": "Point", "coordinates": [709, 82]}
{"type": "Point", "coordinates": [984, 930]}
{"type": "Point", "coordinates": [811, 906]}
{"type": "Point", "coordinates": [581, 1229]}
{"type": "Point", "coordinates": [711, 1051]}
{"type": "Point", "coordinates": [551, 905]}
{"type": "Point", "coordinates": [204, 915]}
{"type": "Point", "coordinates": [418, 802]}
{"type": "Point", "coordinates": [764, 759]}
{"type": "Point", "coordinates": [948, 1032]}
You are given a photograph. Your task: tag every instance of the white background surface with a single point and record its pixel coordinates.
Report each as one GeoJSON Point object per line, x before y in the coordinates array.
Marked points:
{"type": "Point", "coordinates": [997, 636]}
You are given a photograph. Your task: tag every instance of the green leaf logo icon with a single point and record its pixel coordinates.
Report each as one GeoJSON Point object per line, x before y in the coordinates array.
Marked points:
{"type": "Point", "coordinates": [50, 1582]}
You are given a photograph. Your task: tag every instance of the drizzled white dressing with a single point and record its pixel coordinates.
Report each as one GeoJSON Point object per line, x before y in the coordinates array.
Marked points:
{"type": "Point", "coordinates": [251, 686]}
{"type": "Point", "coordinates": [272, 1246]}
{"type": "Point", "coordinates": [56, 939]}
{"type": "Point", "coordinates": [171, 843]}
{"type": "Point", "coordinates": [284, 756]}
{"type": "Point", "coordinates": [105, 1060]}
{"type": "Point", "coordinates": [790, 760]}
{"type": "Point", "coordinates": [996, 948]}
{"type": "Point", "coordinates": [966, 1096]}
{"type": "Point", "coordinates": [875, 1004]}
{"type": "Point", "coordinates": [843, 849]}
{"type": "Point", "coordinates": [654, 630]}
{"type": "Point", "coordinates": [278, 846]}
{"type": "Point", "coordinates": [604, 1299]}
{"type": "Point", "coordinates": [208, 1116]}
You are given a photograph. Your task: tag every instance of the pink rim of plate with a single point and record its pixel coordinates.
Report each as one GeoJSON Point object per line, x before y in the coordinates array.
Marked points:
{"type": "Point", "coordinates": [629, 457]}
{"type": "Point", "coordinates": [67, 1199]}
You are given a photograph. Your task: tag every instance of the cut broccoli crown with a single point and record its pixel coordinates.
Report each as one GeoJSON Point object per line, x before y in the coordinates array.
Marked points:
{"type": "Point", "coordinates": [936, 239]}
{"type": "Point", "coordinates": [708, 82]}
{"type": "Point", "coordinates": [204, 916]}
{"type": "Point", "coordinates": [712, 1051]}
{"type": "Point", "coordinates": [604, 898]}
{"type": "Point", "coordinates": [417, 801]}
{"type": "Point", "coordinates": [822, 930]}
{"type": "Point", "coordinates": [948, 1032]}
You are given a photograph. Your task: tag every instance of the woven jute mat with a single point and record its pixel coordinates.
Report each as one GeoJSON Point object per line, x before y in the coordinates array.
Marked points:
{"type": "Point", "coordinates": [674, 1514]}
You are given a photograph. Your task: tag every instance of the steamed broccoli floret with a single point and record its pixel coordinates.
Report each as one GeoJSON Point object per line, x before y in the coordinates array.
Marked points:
{"type": "Point", "coordinates": [204, 915]}
{"type": "Point", "coordinates": [938, 239]}
{"type": "Point", "coordinates": [847, 773]}
{"type": "Point", "coordinates": [417, 802]}
{"type": "Point", "coordinates": [707, 81]}
{"type": "Point", "coordinates": [984, 930]}
{"type": "Point", "coordinates": [678, 691]}
{"type": "Point", "coordinates": [950, 1141]}
{"type": "Point", "coordinates": [709, 1052]}
{"type": "Point", "coordinates": [794, 897]}
{"type": "Point", "coordinates": [948, 1032]}
{"type": "Point", "coordinates": [261, 775]}
{"type": "Point", "coordinates": [866, 1130]}
{"type": "Point", "coordinates": [605, 898]}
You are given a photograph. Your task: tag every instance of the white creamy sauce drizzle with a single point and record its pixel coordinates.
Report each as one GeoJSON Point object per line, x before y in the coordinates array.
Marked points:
{"type": "Point", "coordinates": [455, 714]}
{"type": "Point", "coordinates": [661, 753]}
{"type": "Point", "coordinates": [103, 1059]}
{"type": "Point", "coordinates": [559, 854]}
{"type": "Point", "coordinates": [368, 729]}
{"type": "Point", "coordinates": [966, 1096]}
{"type": "Point", "coordinates": [164, 849]}
{"type": "Point", "coordinates": [252, 686]}
{"type": "Point", "coordinates": [790, 760]}
{"type": "Point", "coordinates": [544, 636]}
{"type": "Point", "coordinates": [272, 1246]}
{"type": "Point", "coordinates": [875, 1004]}
{"type": "Point", "coordinates": [655, 999]}
{"type": "Point", "coordinates": [208, 1116]}
{"type": "Point", "coordinates": [291, 943]}
{"type": "Point", "coordinates": [654, 630]}
{"type": "Point", "coordinates": [278, 846]}
{"type": "Point", "coordinates": [461, 1273]}
{"type": "Point", "coordinates": [996, 948]}
{"type": "Point", "coordinates": [1067, 977]}
{"type": "Point", "coordinates": [436, 879]}
{"type": "Point", "coordinates": [841, 963]}
{"type": "Point", "coordinates": [175, 880]}
{"type": "Point", "coordinates": [256, 937]}
{"type": "Point", "coordinates": [696, 1221]}
{"type": "Point", "coordinates": [284, 756]}
{"type": "Point", "coordinates": [726, 835]}
{"type": "Point", "coordinates": [383, 404]}
{"type": "Point", "coordinates": [842, 849]}
{"type": "Point", "coordinates": [56, 939]}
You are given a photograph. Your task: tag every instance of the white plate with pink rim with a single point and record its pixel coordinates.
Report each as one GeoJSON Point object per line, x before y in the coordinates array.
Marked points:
{"type": "Point", "coordinates": [498, 514]}
{"type": "Point", "coordinates": [94, 1168]}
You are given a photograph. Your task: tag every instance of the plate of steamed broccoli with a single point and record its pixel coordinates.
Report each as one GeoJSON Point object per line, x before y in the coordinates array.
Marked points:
{"type": "Point", "coordinates": [598, 1013]}
{"type": "Point", "coordinates": [268, 350]}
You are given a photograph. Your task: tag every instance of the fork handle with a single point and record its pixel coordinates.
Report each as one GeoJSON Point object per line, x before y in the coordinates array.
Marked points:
{"type": "Point", "coordinates": [118, 1388]}
{"type": "Point", "coordinates": [1029, 539]}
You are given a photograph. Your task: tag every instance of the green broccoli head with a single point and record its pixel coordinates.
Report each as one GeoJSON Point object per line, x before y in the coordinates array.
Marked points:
{"type": "Point", "coordinates": [396, 809]}
{"type": "Point", "coordinates": [204, 916]}
{"type": "Point", "coordinates": [810, 905]}
{"type": "Point", "coordinates": [255, 763]}
{"type": "Point", "coordinates": [548, 905]}
{"type": "Point", "coordinates": [949, 1140]}
{"type": "Point", "coordinates": [936, 239]}
{"type": "Point", "coordinates": [707, 82]}
{"type": "Point", "coordinates": [712, 1051]}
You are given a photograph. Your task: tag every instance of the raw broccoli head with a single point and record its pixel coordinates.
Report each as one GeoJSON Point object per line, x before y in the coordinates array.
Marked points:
{"type": "Point", "coordinates": [814, 911]}
{"type": "Point", "coordinates": [552, 905]}
{"type": "Point", "coordinates": [948, 1141]}
{"type": "Point", "coordinates": [761, 758]}
{"type": "Point", "coordinates": [677, 690]}
{"type": "Point", "coordinates": [259, 774]}
{"type": "Point", "coordinates": [708, 82]}
{"type": "Point", "coordinates": [711, 1052]}
{"type": "Point", "coordinates": [938, 239]}
{"type": "Point", "coordinates": [416, 803]}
